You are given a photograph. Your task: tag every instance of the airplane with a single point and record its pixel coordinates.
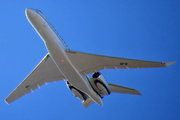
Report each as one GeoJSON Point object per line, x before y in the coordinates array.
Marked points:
{"type": "Point", "coordinates": [73, 67]}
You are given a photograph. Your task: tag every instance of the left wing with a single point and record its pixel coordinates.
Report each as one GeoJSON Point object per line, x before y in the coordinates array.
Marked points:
{"type": "Point", "coordinates": [87, 63]}
{"type": "Point", "coordinates": [46, 71]}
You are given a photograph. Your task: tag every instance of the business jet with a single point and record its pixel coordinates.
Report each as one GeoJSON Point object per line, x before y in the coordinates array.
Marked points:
{"type": "Point", "coordinates": [73, 67]}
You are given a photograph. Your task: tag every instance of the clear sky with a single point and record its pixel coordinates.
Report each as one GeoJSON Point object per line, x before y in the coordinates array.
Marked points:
{"type": "Point", "coordinates": [136, 29]}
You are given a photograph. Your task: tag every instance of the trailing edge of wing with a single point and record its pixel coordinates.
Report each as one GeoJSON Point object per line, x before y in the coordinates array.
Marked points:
{"type": "Point", "coordinates": [121, 89]}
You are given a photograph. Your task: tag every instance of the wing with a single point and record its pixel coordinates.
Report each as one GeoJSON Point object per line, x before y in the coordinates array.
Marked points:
{"type": "Point", "coordinates": [87, 63]}
{"type": "Point", "coordinates": [121, 89]}
{"type": "Point", "coordinates": [46, 71]}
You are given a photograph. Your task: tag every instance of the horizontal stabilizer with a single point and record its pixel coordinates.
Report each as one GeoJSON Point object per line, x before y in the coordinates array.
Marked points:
{"type": "Point", "coordinates": [120, 89]}
{"type": "Point", "coordinates": [87, 102]}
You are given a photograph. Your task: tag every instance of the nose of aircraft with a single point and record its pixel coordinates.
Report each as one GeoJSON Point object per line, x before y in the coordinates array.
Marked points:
{"type": "Point", "coordinates": [29, 12]}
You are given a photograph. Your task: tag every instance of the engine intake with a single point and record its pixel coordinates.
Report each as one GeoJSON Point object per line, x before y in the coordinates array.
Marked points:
{"type": "Point", "coordinates": [96, 74]}
{"type": "Point", "coordinates": [76, 92]}
{"type": "Point", "coordinates": [100, 84]}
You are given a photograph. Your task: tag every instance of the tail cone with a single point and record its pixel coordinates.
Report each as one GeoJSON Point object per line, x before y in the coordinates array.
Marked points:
{"type": "Point", "coordinates": [96, 98]}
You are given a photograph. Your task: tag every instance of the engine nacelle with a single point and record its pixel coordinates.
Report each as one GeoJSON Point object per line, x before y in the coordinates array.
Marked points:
{"type": "Point", "coordinates": [100, 83]}
{"type": "Point", "coordinates": [76, 92]}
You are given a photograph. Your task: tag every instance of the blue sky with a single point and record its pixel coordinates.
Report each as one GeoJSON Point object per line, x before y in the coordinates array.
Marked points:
{"type": "Point", "coordinates": [145, 30]}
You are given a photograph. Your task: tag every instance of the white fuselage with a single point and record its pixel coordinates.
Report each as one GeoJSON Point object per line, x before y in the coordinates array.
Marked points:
{"type": "Point", "coordinates": [56, 48]}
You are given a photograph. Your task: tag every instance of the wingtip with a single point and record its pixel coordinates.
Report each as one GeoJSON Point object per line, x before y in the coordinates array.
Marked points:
{"type": "Point", "coordinates": [169, 63]}
{"type": "Point", "coordinates": [6, 101]}
{"type": "Point", "coordinates": [138, 93]}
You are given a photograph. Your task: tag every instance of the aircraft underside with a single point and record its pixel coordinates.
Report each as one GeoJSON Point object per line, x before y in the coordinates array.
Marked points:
{"type": "Point", "coordinates": [98, 84]}
{"type": "Point", "coordinates": [60, 63]}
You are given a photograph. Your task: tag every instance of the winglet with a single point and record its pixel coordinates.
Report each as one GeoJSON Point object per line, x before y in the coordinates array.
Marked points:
{"type": "Point", "coordinates": [169, 63]}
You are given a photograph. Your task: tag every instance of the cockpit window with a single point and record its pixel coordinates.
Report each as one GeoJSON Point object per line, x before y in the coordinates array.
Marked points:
{"type": "Point", "coordinates": [38, 11]}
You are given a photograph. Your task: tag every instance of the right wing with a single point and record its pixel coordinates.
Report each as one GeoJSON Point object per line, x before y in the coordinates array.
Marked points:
{"type": "Point", "coordinates": [121, 89]}
{"type": "Point", "coordinates": [46, 71]}
{"type": "Point", "coordinates": [87, 63]}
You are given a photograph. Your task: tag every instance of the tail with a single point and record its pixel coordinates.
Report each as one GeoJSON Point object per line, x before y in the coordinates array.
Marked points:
{"type": "Point", "coordinates": [96, 98]}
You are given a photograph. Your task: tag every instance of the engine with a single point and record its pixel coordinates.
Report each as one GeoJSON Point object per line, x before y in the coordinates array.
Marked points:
{"type": "Point", "coordinates": [82, 96]}
{"type": "Point", "coordinates": [99, 84]}
{"type": "Point", "coordinates": [86, 101]}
